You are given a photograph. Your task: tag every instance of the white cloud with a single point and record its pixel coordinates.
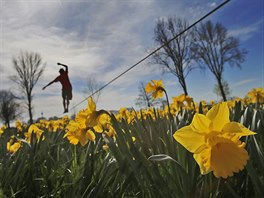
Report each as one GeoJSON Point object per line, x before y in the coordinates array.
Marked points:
{"type": "Point", "coordinates": [246, 32]}
{"type": "Point", "coordinates": [243, 82]}
{"type": "Point", "coordinates": [213, 4]}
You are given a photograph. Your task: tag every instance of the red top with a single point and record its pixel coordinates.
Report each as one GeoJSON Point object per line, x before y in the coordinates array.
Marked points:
{"type": "Point", "coordinates": [64, 80]}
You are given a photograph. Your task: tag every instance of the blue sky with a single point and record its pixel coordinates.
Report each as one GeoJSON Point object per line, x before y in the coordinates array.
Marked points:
{"type": "Point", "coordinates": [102, 38]}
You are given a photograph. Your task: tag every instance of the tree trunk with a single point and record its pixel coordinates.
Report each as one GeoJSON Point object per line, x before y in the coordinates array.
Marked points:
{"type": "Point", "coordinates": [219, 80]}
{"type": "Point", "coordinates": [30, 111]}
{"type": "Point", "coordinates": [30, 115]}
{"type": "Point", "coordinates": [8, 123]}
{"type": "Point", "coordinates": [185, 90]}
{"type": "Point", "coordinates": [183, 85]}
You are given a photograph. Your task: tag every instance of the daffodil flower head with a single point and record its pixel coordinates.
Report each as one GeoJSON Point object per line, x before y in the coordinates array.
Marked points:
{"type": "Point", "coordinates": [257, 95]}
{"type": "Point", "coordinates": [156, 88]}
{"type": "Point", "coordinates": [19, 126]}
{"type": "Point", "coordinates": [12, 145]}
{"type": "Point", "coordinates": [81, 117]}
{"type": "Point", "coordinates": [33, 129]}
{"type": "Point", "coordinates": [214, 142]}
{"type": "Point", "coordinates": [124, 112]}
{"type": "Point", "coordinates": [90, 118]}
{"type": "Point", "coordinates": [75, 133]}
{"type": "Point", "coordinates": [110, 131]}
{"type": "Point", "coordinates": [2, 129]}
{"type": "Point", "coordinates": [177, 102]}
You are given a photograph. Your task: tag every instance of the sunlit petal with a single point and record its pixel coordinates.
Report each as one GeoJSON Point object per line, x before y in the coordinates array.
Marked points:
{"type": "Point", "coordinates": [90, 134]}
{"type": "Point", "coordinates": [190, 139]}
{"type": "Point", "coordinates": [237, 128]}
{"type": "Point", "coordinates": [202, 157]}
{"type": "Point", "coordinates": [149, 88]}
{"type": "Point", "coordinates": [219, 115]}
{"type": "Point", "coordinates": [91, 105]}
{"type": "Point", "coordinates": [201, 124]}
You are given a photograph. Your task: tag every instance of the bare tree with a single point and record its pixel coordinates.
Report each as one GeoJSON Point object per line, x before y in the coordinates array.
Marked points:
{"type": "Point", "coordinates": [92, 87]}
{"type": "Point", "coordinates": [9, 108]}
{"type": "Point", "coordinates": [29, 68]}
{"type": "Point", "coordinates": [145, 99]}
{"type": "Point", "coordinates": [175, 57]}
{"type": "Point", "coordinates": [226, 88]}
{"type": "Point", "coordinates": [213, 48]}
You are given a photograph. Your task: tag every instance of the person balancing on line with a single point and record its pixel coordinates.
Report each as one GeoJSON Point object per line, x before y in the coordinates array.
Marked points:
{"type": "Point", "coordinates": [63, 78]}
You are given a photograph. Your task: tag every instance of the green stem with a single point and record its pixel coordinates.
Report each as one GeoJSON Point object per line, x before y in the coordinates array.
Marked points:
{"type": "Point", "coordinates": [75, 156]}
{"type": "Point", "coordinates": [167, 99]}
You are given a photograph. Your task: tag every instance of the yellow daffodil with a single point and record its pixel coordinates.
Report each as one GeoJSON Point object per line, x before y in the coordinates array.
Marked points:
{"type": "Point", "coordinates": [75, 133]}
{"type": "Point", "coordinates": [182, 101]}
{"type": "Point", "coordinates": [231, 103]}
{"type": "Point", "coordinates": [66, 119]}
{"type": "Point", "coordinates": [19, 126]}
{"type": "Point", "coordinates": [95, 119]}
{"type": "Point", "coordinates": [86, 121]}
{"type": "Point", "coordinates": [214, 140]}
{"type": "Point", "coordinates": [105, 147]}
{"type": "Point", "coordinates": [110, 131]}
{"type": "Point", "coordinates": [81, 118]}
{"type": "Point", "coordinates": [123, 112]}
{"type": "Point", "coordinates": [246, 101]}
{"type": "Point", "coordinates": [43, 123]}
{"type": "Point", "coordinates": [12, 145]}
{"type": "Point", "coordinates": [2, 129]}
{"type": "Point", "coordinates": [212, 102]}
{"type": "Point", "coordinates": [90, 118]}
{"type": "Point", "coordinates": [33, 129]}
{"type": "Point", "coordinates": [58, 125]}
{"type": "Point", "coordinates": [156, 88]}
{"type": "Point", "coordinates": [256, 95]}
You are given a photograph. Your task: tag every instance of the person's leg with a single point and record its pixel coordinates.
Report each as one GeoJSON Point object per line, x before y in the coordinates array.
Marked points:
{"type": "Point", "coordinates": [64, 100]}
{"type": "Point", "coordinates": [64, 105]}
{"type": "Point", "coordinates": [68, 98]}
{"type": "Point", "coordinates": [67, 103]}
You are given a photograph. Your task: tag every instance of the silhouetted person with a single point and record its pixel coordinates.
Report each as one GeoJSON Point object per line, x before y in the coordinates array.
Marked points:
{"type": "Point", "coordinates": [63, 78]}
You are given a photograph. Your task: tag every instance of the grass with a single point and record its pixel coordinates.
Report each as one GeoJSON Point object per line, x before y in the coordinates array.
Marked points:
{"type": "Point", "coordinates": [143, 160]}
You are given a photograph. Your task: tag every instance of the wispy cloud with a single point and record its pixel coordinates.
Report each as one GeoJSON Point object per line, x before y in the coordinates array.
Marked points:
{"type": "Point", "coordinates": [213, 4]}
{"type": "Point", "coordinates": [245, 33]}
{"type": "Point", "coordinates": [243, 82]}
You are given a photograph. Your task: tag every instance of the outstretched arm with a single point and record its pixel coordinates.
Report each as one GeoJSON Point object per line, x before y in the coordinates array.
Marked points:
{"type": "Point", "coordinates": [48, 84]}
{"type": "Point", "coordinates": [66, 67]}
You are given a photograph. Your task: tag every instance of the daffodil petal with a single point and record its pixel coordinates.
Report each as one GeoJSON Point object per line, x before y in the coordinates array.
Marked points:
{"type": "Point", "coordinates": [149, 88]}
{"type": "Point", "coordinates": [190, 139]}
{"type": "Point", "coordinates": [200, 123]}
{"type": "Point", "coordinates": [159, 94]}
{"type": "Point", "coordinates": [81, 118]}
{"type": "Point", "coordinates": [202, 157]}
{"type": "Point", "coordinates": [90, 135]}
{"type": "Point", "coordinates": [98, 128]}
{"type": "Point", "coordinates": [103, 119]}
{"type": "Point", "coordinates": [219, 115]}
{"type": "Point", "coordinates": [237, 128]}
{"type": "Point", "coordinates": [73, 140]}
{"type": "Point", "coordinates": [91, 105]}
{"type": "Point", "coordinates": [154, 95]}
